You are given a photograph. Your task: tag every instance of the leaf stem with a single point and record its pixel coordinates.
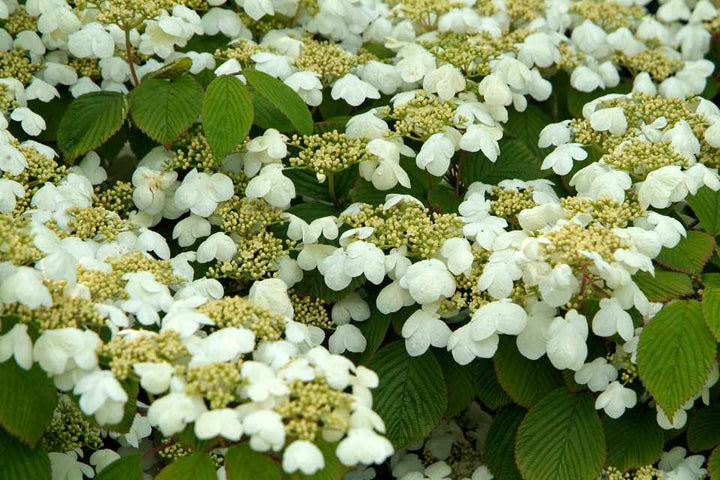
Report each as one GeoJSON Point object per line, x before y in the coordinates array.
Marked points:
{"type": "Point", "coordinates": [131, 63]}
{"type": "Point", "coordinates": [331, 188]}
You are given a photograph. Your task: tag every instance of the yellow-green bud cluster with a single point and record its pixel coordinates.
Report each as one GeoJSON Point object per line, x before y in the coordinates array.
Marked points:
{"type": "Point", "coordinates": [70, 429]}
{"type": "Point", "coordinates": [608, 14]}
{"type": "Point", "coordinates": [256, 258]}
{"type": "Point", "coordinates": [246, 216]}
{"type": "Point", "coordinates": [508, 203]}
{"type": "Point", "coordinates": [647, 472]}
{"type": "Point", "coordinates": [311, 311]}
{"type": "Point", "coordinates": [16, 64]}
{"type": "Point", "coordinates": [216, 382]}
{"type": "Point", "coordinates": [567, 243]}
{"type": "Point", "coordinates": [89, 222]}
{"type": "Point", "coordinates": [241, 312]}
{"type": "Point", "coordinates": [123, 352]}
{"type": "Point", "coordinates": [655, 62]}
{"type": "Point", "coordinates": [20, 20]}
{"type": "Point", "coordinates": [312, 406]}
{"type": "Point", "coordinates": [327, 153]}
{"type": "Point", "coordinates": [604, 210]}
{"type": "Point", "coordinates": [117, 198]}
{"type": "Point", "coordinates": [16, 242]}
{"type": "Point", "coordinates": [40, 170]}
{"type": "Point", "coordinates": [327, 59]}
{"type": "Point", "coordinates": [192, 150]}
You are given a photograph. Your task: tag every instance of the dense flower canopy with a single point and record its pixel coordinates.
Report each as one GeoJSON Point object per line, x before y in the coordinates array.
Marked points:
{"type": "Point", "coordinates": [357, 239]}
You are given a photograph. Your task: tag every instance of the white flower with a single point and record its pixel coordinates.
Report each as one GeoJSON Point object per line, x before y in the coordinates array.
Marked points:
{"type": "Point", "coordinates": [558, 287]}
{"type": "Point", "coordinates": [428, 281]}
{"type": "Point", "coordinates": [612, 319]}
{"type": "Point", "coordinates": [615, 399]}
{"type": "Point", "coordinates": [93, 41]}
{"type": "Point", "coordinates": [224, 345]}
{"type": "Point", "coordinates": [11, 159]}
{"type": "Point", "coordinates": [555, 134]}
{"type": "Point", "coordinates": [173, 411]}
{"type": "Point", "coordinates": [465, 345]}
{"type": "Point", "coordinates": [17, 343]}
{"type": "Point", "coordinates": [307, 85]}
{"type": "Point", "coordinates": [304, 456]}
{"type": "Point", "coordinates": [31, 122]}
{"type": "Point", "coordinates": [363, 446]}
{"type": "Point", "coordinates": [675, 466]}
{"type": "Point", "coordinates": [9, 190]}
{"type": "Point", "coordinates": [102, 458]}
{"type": "Point", "coordinates": [65, 466]}
{"type": "Point", "coordinates": [597, 374]}
{"type": "Point", "coordinates": [58, 351]}
{"type": "Point", "coordinates": [532, 341]}
{"type": "Point", "coordinates": [350, 307]}
{"type": "Point", "coordinates": [384, 170]}
{"type": "Point", "coordinates": [609, 120]}
{"type": "Point", "coordinates": [151, 188]}
{"type": "Point", "coordinates": [661, 187]}
{"type": "Point", "coordinates": [217, 246]}
{"type": "Point", "coordinates": [446, 81]}
{"type": "Point", "coordinates": [266, 430]}
{"type": "Point", "coordinates": [271, 185]}
{"type": "Point", "coordinates": [277, 66]}
{"type": "Point", "coordinates": [458, 255]}
{"type": "Point", "coordinates": [154, 377]}
{"type": "Point", "coordinates": [435, 154]}
{"type": "Point", "coordinates": [271, 294]}
{"type": "Point", "coordinates": [423, 329]}
{"type": "Point", "coordinates": [188, 230]}
{"type": "Point", "coordinates": [353, 90]}
{"type": "Point", "coordinates": [200, 192]}
{"type": "Point", "coordinates": [261, 382]}
{"type": "Point", "coordinates": [479, 137]}
{"type": "Point", "coordinates": [499, 274]}
{"type": "Point", "coordinates": [561, 159]}
{"type": "Point", "coordinates": [101, 395]}
{"type": "Point", "coordinates": [224, 422]}
{"type": "Point", "coordinates": [495, 90]}
{"type": "Point", "coordinates": [566, 346]}
{"type": "Point", "coordinates": [347, 337]}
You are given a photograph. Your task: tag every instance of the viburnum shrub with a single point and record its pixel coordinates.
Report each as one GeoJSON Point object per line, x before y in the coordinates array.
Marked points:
{"type": "Point", "coordinates": [345, 239]}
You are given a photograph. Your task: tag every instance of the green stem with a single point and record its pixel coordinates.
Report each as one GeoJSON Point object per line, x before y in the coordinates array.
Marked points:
{"type": "Point", "coordinates": [331, 188]}
{"type": "Point", "coordinates": [131, 63]}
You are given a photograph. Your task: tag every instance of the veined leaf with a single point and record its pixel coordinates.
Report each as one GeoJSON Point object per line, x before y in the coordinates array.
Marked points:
{"type": "Point", "coordinates": [664, 285]}
{"type": "Point", "coordinates": [164, 109]}
{"type": "Point", "coordinates": [711, 309]}
{"type": "Point", "coordinates": [714, 464]}
{"type": "Point", "coordinates": [690, 255]}
{"type": "Point", "coordinates": [516, 160]}
{"type": "Point", "coordinates": [27, 401]}
{"type": "Point", "coordinates": [706, 205]}
{"type": "Point", "coordinates": [196, 466]}
{"type": "Point", "coordinates": [412, 396]}
{"type": "Point", "coordinates": [675, 354]}
{"type": "Point", "coordinates": [561, 438]}
{"type": "Point", "coordinates": [244, 463]}
{"type": "Point", "coordinates": [283, 98]}
{"type": "Point", "coordinates": [89, 121]}
{"type": "Point", "coordinates": [526, 126]}
{"type": "Point", "coordinates": [487, 388]}
{"type": "Point", "coordinates": [500, 443]}
{"type": "Point", "coordinates": [703, 431]}
{"type": "Point", "coordinates": [125, 468]}
{"type": "Point", "coordinates": [227, 114]}
{"type": "Point", "coordinates": [18, 461]}
{"type": "Point", "coordinates": [374, 330]}
{"type": "Point", "coordinates": [633, 440]}
{"type": "Point", "coordinates": [459, 381]}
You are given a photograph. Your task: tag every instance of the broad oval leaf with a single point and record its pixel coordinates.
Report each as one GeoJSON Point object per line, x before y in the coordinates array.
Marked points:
{"type": "Point", "coordinates": [675, 354]}
{"type": "Point", "coordinates": [633, 440]}
{"type": "Point", "coordinates": [89, 121]}
{"type": "Point", "coordinates": [706, 205]}
{"type": "Point", "coordinates": [125, 468]}
{"type": "Point", "coordinates": [27, 401]}
{"type": "Point", "coordinates": [690, 255]}
{"type": "Point", "coordinates": [500, 443]}
{"type": "Point", "coordinates": [459, 381]}
{"type": "Point", "coordinates": [487, 388]}
{"type": "Point", "coordinates": [711, 309]}
{"type": "Point", "coordinates": [561, 438]}
{"type": "Point", "coordinates": [664, 285]}
{"type": "Point", "coordinates": [516, 160]}
{"type": "Point", "coordinates": [714, 464]}
{"type": "Point", "coordinates": [244, 463]}
{"type": "Point", "coordinates": [227, 114]}
{"type": "Point", "coordinates": [197, 466]}
{"type": "Point", "coordinates": [283, 98]}
{"type": "Point", "coordinates": [412, 396]}
{"type": "Point", "coordinates": [703, 431]}
{"type": "Point", "coordinates": [18, 461]}
{"type": "Point", "coordinates": [164, 109]}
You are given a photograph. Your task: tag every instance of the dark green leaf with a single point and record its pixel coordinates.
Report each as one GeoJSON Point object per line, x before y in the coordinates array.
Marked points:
{"type": "Point", "coordinates": [703, 431]}
{"type": "Point", "coordinates": [27, 401]}
{"type": "Point", "coordinates": [711, 309]}
{"type": "Point", "coordinates": [125, 468]}
{"type": "Point", "coordinates": [412, 396]}
{"type": "Point", "coordinates": [664, 285]}
{"type": "Point", "coordinates": [706, 205]}
{"type": "Point", "coordinates": [526, 126]}
{"type": "Point", "coordinates": [244, 463]}
{"type": "Point", "coordinates": [164, 109]}
{"type": "Point", "coordinates": [20, 462]}
{"type": "Point", "coordinates": [633, 440]}
{"type": "Point", "coordinates": [283, 98]}
{"type": "Point", "coordinates": [500, 443]}
{"type": "Point", "coordinates": [526, 381]}
{"type": "Point", "coordinates": [89, 121]}
{"type": "Point", "coordinates": [714, 464]}
{"type": "Point", "coordinates": [227, 114]}
{"type": "Point", "coordinates": [690, 255]}
{"type": "Point", "coordinates": [374, 330]}
{"type": "Point", "coordinates": [196, 466]}
{"type": "Point", "coordinates": [561, 438]}
{"type": "Point", "coordinates": [459, 381]}
{"type": "Point", "coordinates": [487, 388]}
{"type": "Point", "coordinates": [675, 354]}
{"type": "Point", "coordinates": [516, 160]}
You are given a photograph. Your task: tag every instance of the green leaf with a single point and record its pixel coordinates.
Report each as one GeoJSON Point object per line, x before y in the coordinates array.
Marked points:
{"type": "Point", "coordinates": [487, 388]}
{"type": "Point", "coordinates": [267, 116]}
{"type": "Point", "coordinates": [374, 330]}
{"type": "Point", "coordinates": [500, 443]}
{"type": "Point", "coordinates": [333, 469]}
{"type": "Point", "coordinates": [703, 431]}
{"type": "Point", "coordinates": [713, 464]}
{"type": "Point", "coordinates": [442, 198]}
{"type": "Point", "coordinates": [164, 109]}
{"type": "Point", "coordinates": [313, 285]}
{"type": "Point", "coordinates": [419, 186]}
{"type": "Point", "coordinates": [412, 396]}
{"type": "Point", "coordinates": [711, 309]}
{"type": "Point", "coordinates": [307, 186]}
{"type": "Point", "coordinates": [18, 461]}
{"type": "Point", "coordinates": [690, 255]}
{"type": "Point", "coordinates": [577, 99]}
{"type": "Point", "coordinates": [526, 126]}
{"type": "Point", "coordinates": [125, 468]}
{"type": "Point", "coordinates": [711, 280]}
{"type": "Point", "coordinates": [675, 354]}
{"type": "Point", "coordinates": [633, 440]}
{"type": "Point", "coordinates": [664, 285]}
{"type": "Point", "coordinates": [459, 381]}
{"type": "Point", "coordinates": [197, 466]}
{"type": "Point", "coordinates": [227, 114]}
{"type": "Point", "coordinates": [526, 381]}
{"type": "Point", "coordinates": [706, 205]}
{"type": "Point", "coordinates": [89, 121]}
{"type": "Point", "coordinates": [244, 463]}
{"type": "Point", "coordinates": [516, 160]}
{"type": "Point", "coordinates": [283, 98]}
{"type": "Point", "coordinates": [561, 438]}
{"type": "Point", "coordinates": [27, 401]}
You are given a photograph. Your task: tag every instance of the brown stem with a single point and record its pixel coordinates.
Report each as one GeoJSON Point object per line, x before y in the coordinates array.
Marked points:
{"type": "Point", "coordinates": [131, 63]}
{"type": "Point", "coordinates": [458, 175]}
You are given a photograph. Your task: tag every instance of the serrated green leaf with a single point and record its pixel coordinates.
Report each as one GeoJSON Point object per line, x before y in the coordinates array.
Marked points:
{"type": "Point", "coordinates": [706, 205]}
{"type": "Point", "coordinates": [664, 285]}
{"type": "Point", "coordinates": [526, 381]}
{"type": "Point", "coordinates": [526, 126]}
{"type": "Point", "coordinates": [125, 468]}
{"type": "Point", "coordinates": [487, 388]}
{"type": "Point", "coordinates": [27, 401]}
{"type": "Point", "coordinates": [89, 121]}
{"type": "Point", "coordinates": [500, 443]}
{"type": "Point", "coordinates": [703, 431]}
{"type": "Point", "coordinates": [411, 397]}
{"type": "Point", "coordinates": [711, 310]}
{"type": "Point", "coordinates": [713, 464]}
{"type": "Point", "coordinates": [333, 469]}
{"type": "Point", "coordinates": [690, 255]}
{"type": "Point", "coordinates": [675, 354]}
{"type": "Point", "coordinates": [374, 330]}
{"type": "Point", "coordinates": [283, 98]}
{"type": "Point", "coordinates": [633, 440]}
{"type": "Point", "coordinates": [164, 109]}
{"type": "Point", "coordinates": [244, 463]}
{"type": "Point", "coordinates": [442, 198]}
{"type": "Point", "coordinates": [307, 186]}
{"type": "Point", "coordinates": [711, 280]}
{"type": "Point", "coordinates": [196, 466]}
{"type": "Point", "coordinates": [516, 160]}
{"type": "Point", "coordinates": [267, 116]}
{"type": "Point", "coordinates": [459, 381]}
{"type": "Point", "coordinates": [227, 114]}
{"type": "Point", "coordinates": [561, 438]}
{"type": "Point", "coordinates": [18, 461]}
